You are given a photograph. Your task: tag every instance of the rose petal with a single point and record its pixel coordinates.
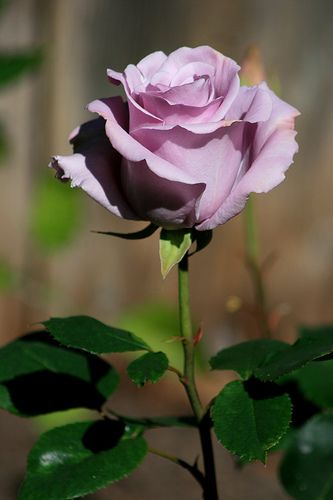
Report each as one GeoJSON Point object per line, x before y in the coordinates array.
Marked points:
{"type": "Point", "coordinates": [273, 148]}
{"type": "Point", "coordinates": [95, 167]}
{"type": "Point", "coordinates": [165, 203]}
{"type": "Point", "coordinates": [150, 64]}
{"type": "Point", "coordinates": [130, 148]}
{"type": "Point", "coordinates": [211, 159]}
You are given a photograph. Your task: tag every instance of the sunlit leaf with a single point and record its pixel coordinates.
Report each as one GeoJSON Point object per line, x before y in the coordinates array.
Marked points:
{"type": "Point", "coordinates": [89, 334]}
{"type": "Point", "coordinates": [247, 426]}
{"type": "Point", "coordinates": [77, 459]}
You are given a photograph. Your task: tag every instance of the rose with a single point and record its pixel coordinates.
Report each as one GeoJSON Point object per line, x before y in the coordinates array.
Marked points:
{"type": "Point", "coordinates": [187, 148]}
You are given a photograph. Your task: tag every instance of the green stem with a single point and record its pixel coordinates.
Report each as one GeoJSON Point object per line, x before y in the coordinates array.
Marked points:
{"type": "Point", "coordinates": [210, 486]}
{"type": "Point", "coordinates": [252, 258]}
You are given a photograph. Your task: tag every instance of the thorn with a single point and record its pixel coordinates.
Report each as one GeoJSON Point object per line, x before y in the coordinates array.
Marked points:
{"type": "Point", "coordinates": [175, 339]}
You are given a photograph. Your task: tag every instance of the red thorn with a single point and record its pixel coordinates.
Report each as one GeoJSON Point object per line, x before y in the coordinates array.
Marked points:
{"type": "Point", "coordinates": [198, 336]}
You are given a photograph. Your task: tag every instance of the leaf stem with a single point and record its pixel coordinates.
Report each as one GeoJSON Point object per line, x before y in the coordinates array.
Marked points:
{"type": "Point", "coordinates": [188, 381]}
{"type": "Point", "coordinates": [192, 469]}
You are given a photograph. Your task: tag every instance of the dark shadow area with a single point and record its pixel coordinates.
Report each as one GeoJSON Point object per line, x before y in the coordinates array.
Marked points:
{"type": "Point", "coordinates": [103, 435]}
{"type": "Point", "coordinates": [257, 389]}
{"type": "Point", "coordinates": [46, 392]}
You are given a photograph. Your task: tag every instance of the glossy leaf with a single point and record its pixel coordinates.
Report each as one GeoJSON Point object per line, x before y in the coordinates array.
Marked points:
{"type": "Point", "coordinates": [244, 358]}
{"type": "Point", "coordinates": [148, 368]}
{"type": "Point", "coordinates": [14, 65]}
{"type": "Point", "coordinates": [89, 334]}
{"type": "Point", "coordinates": [249, 427]}
{"type": "Point", "coordinates": [306, 471]}
{"type": "Point", "coordinates": [37, 376]}
{"type": "Point", "coordinates": [173, 246]}
{"type": "Point", "coordinates": [77, 459]}
{"type": "Point", "coordinates": [313, 344]}
{"type": "Point", "coordinates": [56, 214]}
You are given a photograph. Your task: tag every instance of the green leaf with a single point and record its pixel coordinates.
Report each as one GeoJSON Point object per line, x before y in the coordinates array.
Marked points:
{"type": "Point", "coordinates": [137, 235]}
{"type": "Point", "coordinates": [316, 383]}
{"type": "Point", "coordinates": [148, 368]}
{"type": "Point", "coordinates": [249, 427]}
{"type": "Point", "coordinates": [306, 471]}
{"type": "Point", "coordinates": [56, 214]}
{"type": "Point", "coordinates": [13, 66]}
{"type": "Point", "coordinates": [38, 376]}
{"type": "Point", "coordinates": [77, 459]}
{"type": "Point", "coordinates": [313, 344]}
{"type": "Point", "coordinates": [244, 358]}
{"type": "Point", "coordinates": [89, 334]}
{"type": "Point", "coordinates": [173, 246]}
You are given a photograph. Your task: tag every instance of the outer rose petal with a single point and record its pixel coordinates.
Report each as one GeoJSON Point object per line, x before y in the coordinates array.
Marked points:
{"type": "Point", "coordinates": [273, 148]}
{"type": "Point", "coordinates": [95, 167]}
{"type": "Point", "coordinates": [210, 159]}
{"type": "Point", "coordinates": [166, 203]}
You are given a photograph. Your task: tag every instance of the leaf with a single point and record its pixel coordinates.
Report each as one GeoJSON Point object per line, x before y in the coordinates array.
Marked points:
{"type": "Point", "coordinates": [306, 471]}
{"type": "Point", "coordinates": [173, 246]}
{"type": "Point", "coordinates": [77, 459]}
{"type": "Point", "coordinates": [137, 235]}
{"type": "Point", "coordinates": [56, 214]}
{"type": "Point", "coordinates": [313, 344]}
{"type": "Point", "coordinates": [316, 383]}
{"type": "Point", "coordinates": [13, 66]}
{"type": "Point", "coordinates": [89, 334]}
{"type": "Point", "coordinates": [148, 368]}
{"type": "Point", "coordinates": [245, 357]}
{"type": "Point", "coordinates": [37, 376]}
{"type": "Point", "coordinates": [249, 427]}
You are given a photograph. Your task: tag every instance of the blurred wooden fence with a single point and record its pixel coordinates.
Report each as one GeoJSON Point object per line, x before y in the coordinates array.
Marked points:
{"type": "Point", "coordinates": [101, 276]}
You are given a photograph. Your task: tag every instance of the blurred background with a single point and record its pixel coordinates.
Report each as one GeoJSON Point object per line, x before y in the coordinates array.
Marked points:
{"type": "Point", "coordinates": [51, 264]}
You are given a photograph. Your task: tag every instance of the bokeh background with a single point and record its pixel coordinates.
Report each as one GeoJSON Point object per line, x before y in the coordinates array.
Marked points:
{"type": "Point", "coordinates": [52, 264]}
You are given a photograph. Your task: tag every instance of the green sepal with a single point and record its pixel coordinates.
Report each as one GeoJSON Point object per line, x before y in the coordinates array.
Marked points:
{"type": "Point", "coordinates": [137, 235]}
{"type": "Point", "coordinates": [173, 246]}
{"type": "Point", "coordinates": [202, 239]}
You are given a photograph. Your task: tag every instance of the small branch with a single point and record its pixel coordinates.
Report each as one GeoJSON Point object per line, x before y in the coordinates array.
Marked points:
{"type": "Point", "coordinates": [192, 469]}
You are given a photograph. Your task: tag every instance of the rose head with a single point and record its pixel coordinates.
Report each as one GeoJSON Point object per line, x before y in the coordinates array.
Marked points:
{"type": "Point", "coordinates": [188, 146]}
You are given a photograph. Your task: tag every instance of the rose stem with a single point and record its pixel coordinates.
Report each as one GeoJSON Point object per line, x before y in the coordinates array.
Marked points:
{"type": "Point", "coordinates": [252, 260]}
{"type": "Point", "coordinates": [210, 487]}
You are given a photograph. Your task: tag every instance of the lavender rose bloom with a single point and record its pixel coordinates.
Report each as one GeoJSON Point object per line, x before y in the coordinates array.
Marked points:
{"type": "Point", "coordinates": [188, 146]}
